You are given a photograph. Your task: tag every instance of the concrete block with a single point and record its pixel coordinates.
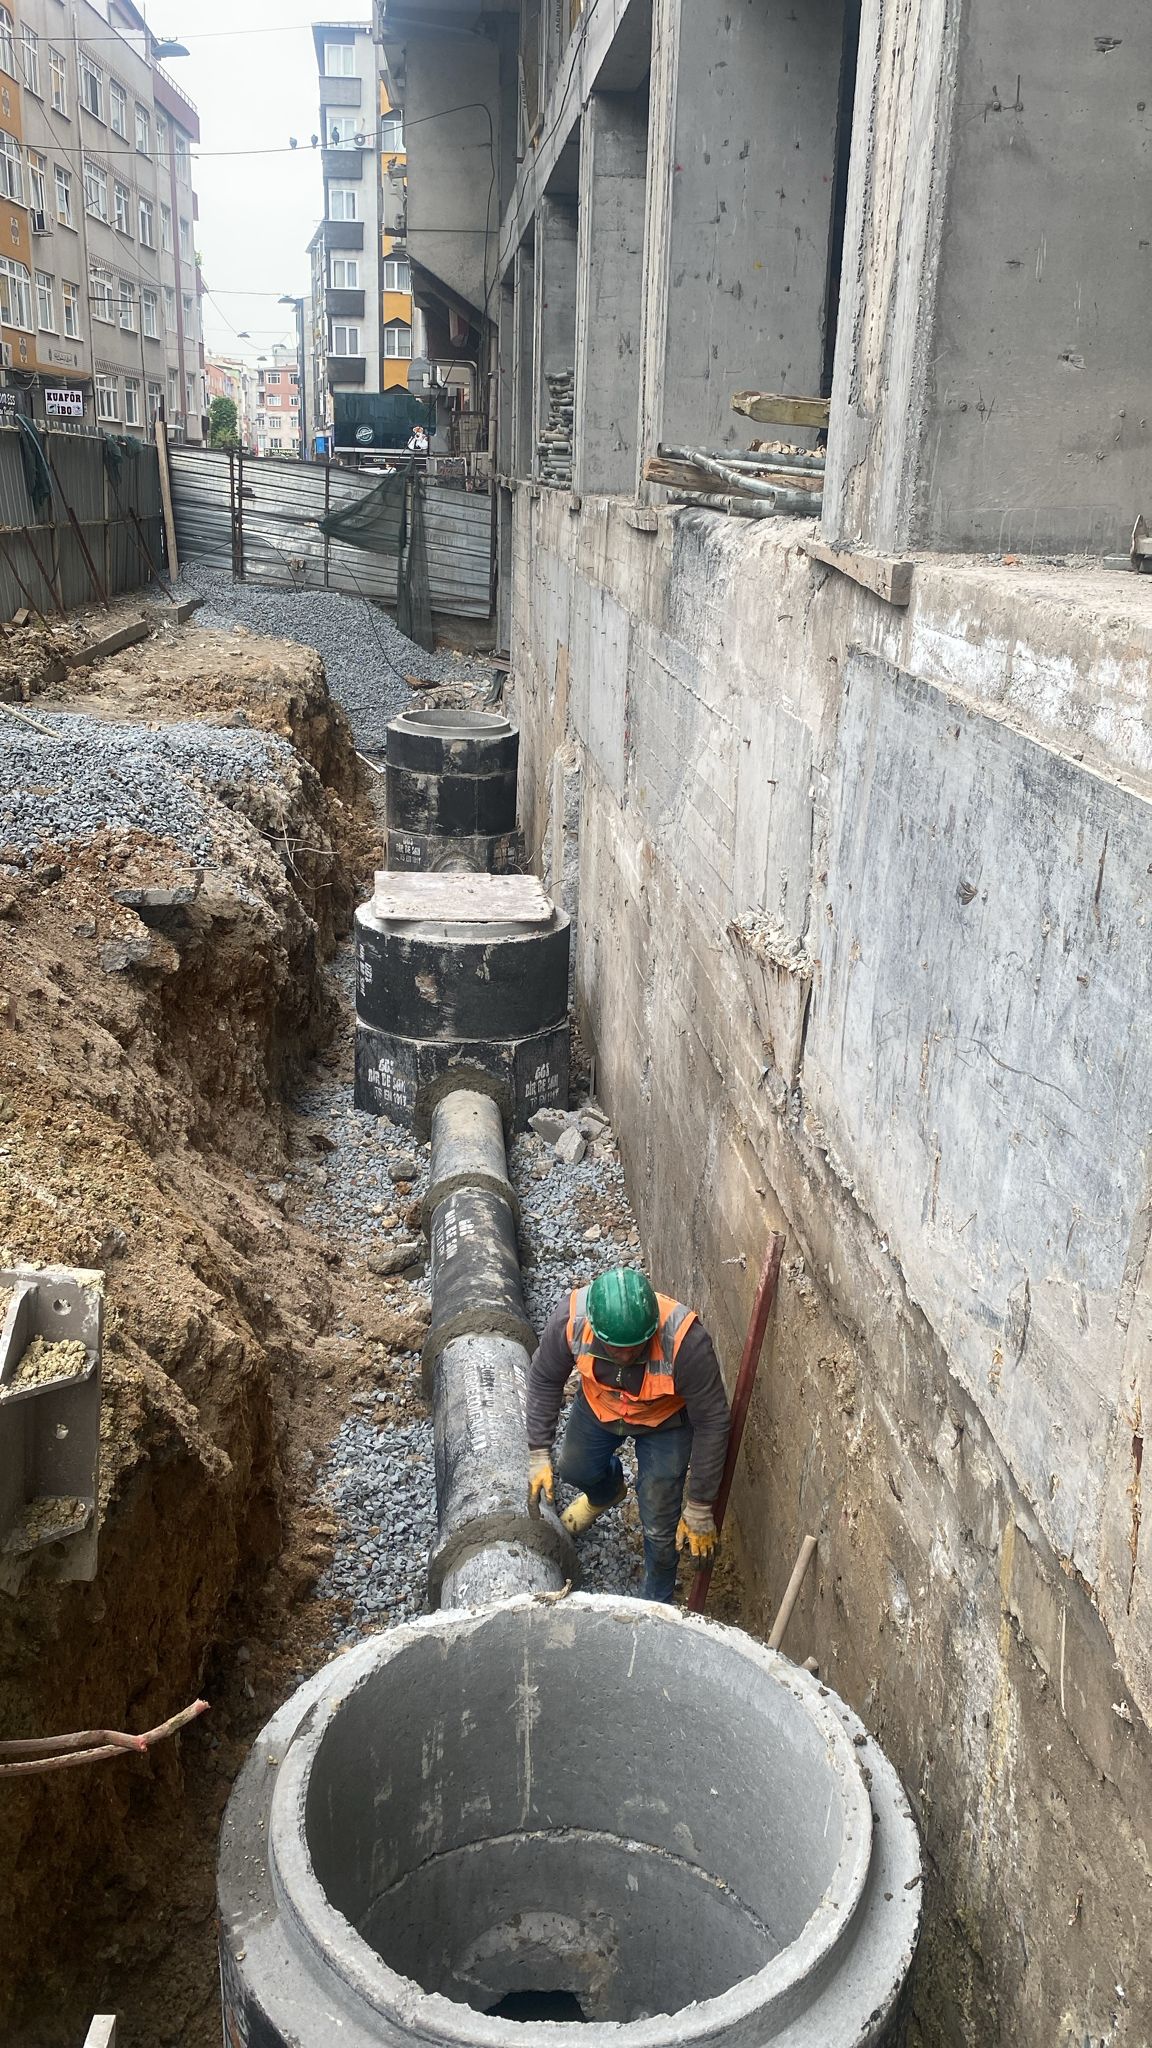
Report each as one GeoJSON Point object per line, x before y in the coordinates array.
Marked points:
{"type": "Point", "coordinates": [571, 1145]}
{"type": "Point", "coordinates": [49, 1423]}
{"type": "Point", "coordinates": [549, 1124]}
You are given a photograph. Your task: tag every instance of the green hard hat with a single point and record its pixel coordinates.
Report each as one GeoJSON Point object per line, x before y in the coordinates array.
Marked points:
{"type": "Point", "coordinates": [622, 1307]}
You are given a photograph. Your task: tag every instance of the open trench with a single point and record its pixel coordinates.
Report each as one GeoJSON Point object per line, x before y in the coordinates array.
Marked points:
{"type": "Point", "coordinates": [296, 1516]}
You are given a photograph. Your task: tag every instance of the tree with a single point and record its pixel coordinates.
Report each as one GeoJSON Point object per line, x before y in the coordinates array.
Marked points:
{"type": "Point", "coordinates": [222, 424]}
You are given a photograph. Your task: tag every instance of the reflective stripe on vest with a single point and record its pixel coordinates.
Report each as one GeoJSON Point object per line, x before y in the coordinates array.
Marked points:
{"type": "Point", "coordinates": [656, 1398]}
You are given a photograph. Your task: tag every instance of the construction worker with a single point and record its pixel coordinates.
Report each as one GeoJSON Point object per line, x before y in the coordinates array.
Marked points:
{"type": "Point", "coordinates": [647, 1370]}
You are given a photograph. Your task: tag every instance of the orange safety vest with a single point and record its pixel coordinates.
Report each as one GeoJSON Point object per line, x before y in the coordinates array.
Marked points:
{"type": "Point", "coordinates": [657, 1398]}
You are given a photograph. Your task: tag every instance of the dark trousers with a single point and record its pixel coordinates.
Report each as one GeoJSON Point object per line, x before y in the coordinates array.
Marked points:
{"type": "Point", "coordinates": [588, 1459]}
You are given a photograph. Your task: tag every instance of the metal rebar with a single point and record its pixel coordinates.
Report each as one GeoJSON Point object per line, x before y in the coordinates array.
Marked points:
{"type": "Point", "coordinates": [740, 480]}
{"type": "Point", "coordinates": [741, 1397]}
{"type": "Point", "coordinates": [786, 505]}
{"type": "Point", "coordinates": [746, 458]}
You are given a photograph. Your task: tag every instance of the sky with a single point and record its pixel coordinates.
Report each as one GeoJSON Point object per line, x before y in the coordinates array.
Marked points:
{"type": "Point", "coordinates": [251, 71]}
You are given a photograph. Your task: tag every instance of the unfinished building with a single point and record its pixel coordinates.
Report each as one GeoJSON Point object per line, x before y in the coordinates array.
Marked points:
{"type": "Point", "coordinates": [857, 853]}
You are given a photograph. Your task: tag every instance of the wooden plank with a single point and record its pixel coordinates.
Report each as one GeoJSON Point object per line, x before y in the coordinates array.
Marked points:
{"type": "Point", "coordinates": [685, 476]}
{"type": "Point", "coordinates": [886, 575]}
{"type": "Point", "coordinates": [166, 499]}
{"type": "Point", "coordinates": [776, 410]}
{"type": "Point", "coordinates": [460, 898]}
{"type": "Point", "coordinates": [102, 2032]}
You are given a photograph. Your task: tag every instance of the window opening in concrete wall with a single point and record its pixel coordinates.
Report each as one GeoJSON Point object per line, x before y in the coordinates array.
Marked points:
{"type": "Point", "coordinates": [610, 288]}
{"type": "Point", "coordinates": [524, 357]}
{"type": "Point", "coordinates": [557, 228]}
{"type": "Point", "coordinates": [531, 70]}
{"type": "Point", "coordinates": [849, 58]}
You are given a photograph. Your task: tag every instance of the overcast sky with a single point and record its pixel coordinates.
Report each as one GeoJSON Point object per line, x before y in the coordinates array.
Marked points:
{"type": "Point", "coordinates": [252, 74]}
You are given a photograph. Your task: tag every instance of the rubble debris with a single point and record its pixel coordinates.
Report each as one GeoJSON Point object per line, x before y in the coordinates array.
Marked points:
{"type": "Point", "coordinates": [554, 446]}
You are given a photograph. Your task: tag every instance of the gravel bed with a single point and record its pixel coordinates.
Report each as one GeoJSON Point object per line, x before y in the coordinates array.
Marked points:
{"type": "Point", "coordinates": [83, 775]}
{"type": "Point", "coordinates": [367, 659]}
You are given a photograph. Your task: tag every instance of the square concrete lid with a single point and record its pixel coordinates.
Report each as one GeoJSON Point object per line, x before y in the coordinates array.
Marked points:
{"type": "Point", "coordinates": [461, 898]}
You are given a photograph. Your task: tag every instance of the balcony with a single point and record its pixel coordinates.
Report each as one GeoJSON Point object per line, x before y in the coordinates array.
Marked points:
{"type": "Point", "coordinates": [345, 165]}
{"type": "Point", "coordinates": [343, 234]}
{"type": "Point", "coordinates": [345, 370]}
{"type": "Point", "coordinates": [339, 92]}
{"type": "Point", "coordinates": [342, 302]}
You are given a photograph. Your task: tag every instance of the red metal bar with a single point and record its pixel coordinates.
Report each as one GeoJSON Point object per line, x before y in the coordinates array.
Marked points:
{"type": "Point", "coordinates": [745, 1381]}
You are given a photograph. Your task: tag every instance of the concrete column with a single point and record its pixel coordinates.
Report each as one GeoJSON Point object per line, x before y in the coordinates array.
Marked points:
{"type": "Point", "coordinates": [609, 290]}
{"type": "Point", "coordinates": [555, 331]}
{"type": "Point", "coordinates": [991, 382]}
{"type": "Point", "coordinates": [523, 361]}
{"type": "Point", "coordinates": [745, 100]}
{"type": "Point", "coordinates": [505, 375]}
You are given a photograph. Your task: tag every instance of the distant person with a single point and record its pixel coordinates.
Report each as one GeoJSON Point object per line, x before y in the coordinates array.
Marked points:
{"type": "Point", "coordinates": [647, 1371]}
{"type": "Point", "coordinates": [418, 441]}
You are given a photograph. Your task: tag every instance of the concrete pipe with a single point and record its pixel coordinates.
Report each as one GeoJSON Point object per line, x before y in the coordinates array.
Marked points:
{"type": "Point", "coordinates": [591, 1809]}
{"type": "Point", "coordinates": [500, 853]}
{"type": "Point", "coordinates": [451, 775]}
{"type": "Point", "coordinates": [487, 1544]}
{"type": "Point", "coordinates": [475, 1275]}
{"type": "Point", "coordinates": [467, 1150]}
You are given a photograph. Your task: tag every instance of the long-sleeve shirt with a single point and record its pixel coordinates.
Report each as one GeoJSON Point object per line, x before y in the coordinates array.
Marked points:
{"type": "Point", "coordinates": [696, 1378]}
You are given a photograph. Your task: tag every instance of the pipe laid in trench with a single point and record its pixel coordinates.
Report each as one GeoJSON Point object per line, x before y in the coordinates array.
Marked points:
{"type": "Point", "coordinates": [475, 1368]}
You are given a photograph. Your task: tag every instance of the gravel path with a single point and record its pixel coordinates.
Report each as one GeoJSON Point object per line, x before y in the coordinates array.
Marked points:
{"type": "Point", "coordinates": [366, 657]}
{"type": "Point", "coordinates": [77, 776]}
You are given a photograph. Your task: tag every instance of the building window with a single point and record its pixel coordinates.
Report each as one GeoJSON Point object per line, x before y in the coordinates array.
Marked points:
{"type": "Point", "coordinates": [38, 189]}
{"type": "Point", "coordinates": [342, 202]}
{"type": "Point", "coordinates": [190, 388]}
{"type": "Point", "coordinates": [345, 341]}
{"type": "Point", "coordinates": [95, 189]}
{"type": "Point", "coordinates": [183, 160]}
{"type": "Point", "coordinates": [185, 240]}
{"type": "Point", "coordinates": [127, 306]}
{"type": "Point", "coordinates": [149, 312]}
{"type": "Point", "coordinates": [70, 293]}
{"type": "Point", "coordinates": [45, 302]}
{"type": "Point", "coordinates": [117, 108]}
{"type": "Point", "coordinates": [15, 294]}
{"type": "Point", "coordinates": [166, 229]}
{"type": "Point", "coordinates": [273, 398]}
{"type": "Point", "coordinates": [398, 340]}
{"type": "Point", "coordinates": [63, 195]}
{"type": "Point", "coordinates": [58, 80]}
{"type": "Point", "coordinates": [155, 394]}
{"type": "Point", "coordinates": [11, 168]}
{"type": "Point", "coordinates": [7, 46]}
{"type": "Point", "coordinates": [275, 444]}
{"type": "Point", "coordinates": [344, 130]}
{"type": "Point", "coordinates": [392, 133]}
{"type": "Point", "coordinates": [143, 131]}
{"type": "Point", "coordinates": [100, 295]}
{"type": "Point", "coordinates": [169, 310]}
{"type": "Point", "coordinates": [107, 407]}
{"type": "Point", "coordinates": [397, 276]}
{"type": "Point", "coordinates": [147, 224]}
{"type": "Point", "coordinates": [346, 273]}
{"type": "Point", "coordinates": [339, 60]}
{"type": "Point", "coordinates": [161, 136]}
{"type": "Point", "coordinates": [174, 394]}
{"type": "Point", "coordinates": [91, 86]}
{"type": "Point", "coordinates": [132, 401]}
{"type": "Point", "coordinates": [121, 201]}
{"type": "Point", "coordinates": [30, 60]}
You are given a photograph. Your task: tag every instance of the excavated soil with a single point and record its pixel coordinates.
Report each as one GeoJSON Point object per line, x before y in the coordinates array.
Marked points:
{"type": "Point", "coordinates": [154, 1014]}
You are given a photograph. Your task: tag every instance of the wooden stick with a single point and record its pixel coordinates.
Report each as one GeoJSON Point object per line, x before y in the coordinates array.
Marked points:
{"type": "Point", "coordinates": [166, 498]}
{"type": "Point", "coordinates": [774, 409]}
{"type": "Point", "coordinates": [792, 1592]}
{"type": "Point", "coordinates": [689, 476]}
{"type": "Point", "coordinates": [741, 1397]}
{"type": "Point", "coordinates": [885, 575]}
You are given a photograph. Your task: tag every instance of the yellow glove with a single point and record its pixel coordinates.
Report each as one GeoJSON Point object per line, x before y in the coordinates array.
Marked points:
{"type": "Point", "coordinates": [540, 1478]}
{"type": "Point", "coordinates": [696, 1531]}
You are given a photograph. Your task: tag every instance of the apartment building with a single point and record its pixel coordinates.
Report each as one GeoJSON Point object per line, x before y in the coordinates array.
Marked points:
{"type": "Point", "coordinates": [275, 423]}
{"type": "Point", "coordinates": [231, 377]}
{"type": "Point", "coordinates": [395, 272]}
{"type": "Point", "coordinates": [345, 248]}
{"type": "Point", "coordinates": [100, 296]}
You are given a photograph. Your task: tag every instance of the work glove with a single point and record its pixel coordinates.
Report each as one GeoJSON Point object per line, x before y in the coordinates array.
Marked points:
{"type": "Point", "coordinates": [696, 1531]}
{"type": "Point", "coordinates": [540, 1479]}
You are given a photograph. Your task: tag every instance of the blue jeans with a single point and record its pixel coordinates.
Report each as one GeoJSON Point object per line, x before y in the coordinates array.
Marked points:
{"type": "Point", "coordinates": [588, 1459]}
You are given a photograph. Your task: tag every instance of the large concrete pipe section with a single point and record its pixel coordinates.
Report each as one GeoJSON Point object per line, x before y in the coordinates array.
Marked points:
{"type": "Point", "coordinates": [450, 789]}
{"type": "Point", "coordinates": [458, 976]}
{"type": "Point", "coordinates": [593, 1809]}
{"type": "Point", "coordinates": [475, 1366]}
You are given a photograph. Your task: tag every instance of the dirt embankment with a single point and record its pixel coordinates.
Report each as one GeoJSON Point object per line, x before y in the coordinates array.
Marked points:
{"type": "Point", "coordinates": [154, 1005]}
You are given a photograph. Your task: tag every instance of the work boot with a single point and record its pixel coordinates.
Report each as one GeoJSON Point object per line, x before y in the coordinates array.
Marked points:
{"type": "Point", "coordinates": [582, 1512]}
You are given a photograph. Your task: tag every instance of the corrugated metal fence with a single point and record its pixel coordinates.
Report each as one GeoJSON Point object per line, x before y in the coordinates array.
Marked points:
{"type": "Point", "coordinates": [259, 520]}
{"type": "Point", "coordinates": [95, 535]}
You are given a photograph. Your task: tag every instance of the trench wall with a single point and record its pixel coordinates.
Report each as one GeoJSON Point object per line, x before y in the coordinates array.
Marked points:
{"type": "Point", "coordinates": [863, 912]}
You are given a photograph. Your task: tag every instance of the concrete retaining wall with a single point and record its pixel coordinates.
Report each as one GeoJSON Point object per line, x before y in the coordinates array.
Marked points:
{"type": "Point", "coordinates": [863, 946]}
